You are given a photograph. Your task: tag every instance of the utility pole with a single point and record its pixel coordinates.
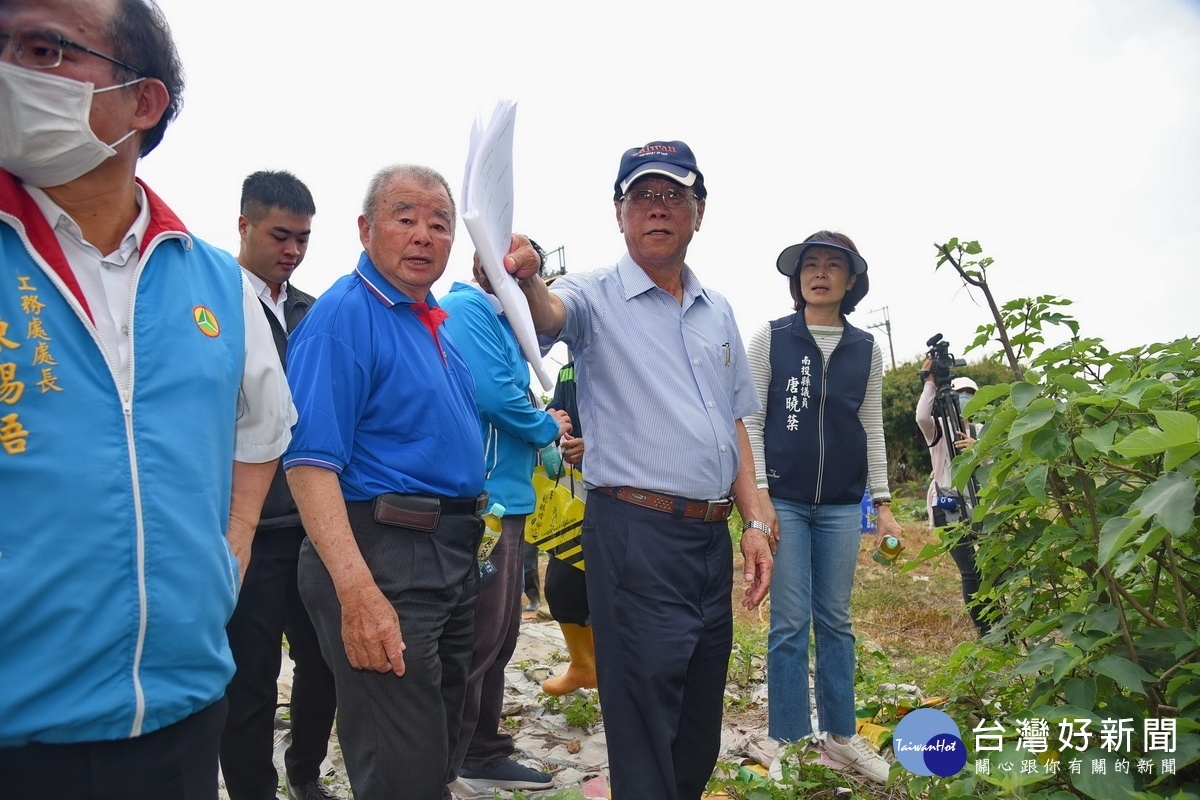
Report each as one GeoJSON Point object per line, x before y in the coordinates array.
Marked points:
{"type": "Point", "coordinates": [561, 253]}
{"type": "Point", "coordinates": [887, 327]}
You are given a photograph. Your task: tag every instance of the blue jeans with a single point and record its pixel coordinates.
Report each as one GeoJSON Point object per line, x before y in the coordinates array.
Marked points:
{"type": "Point", "coordinates": [812, 581]}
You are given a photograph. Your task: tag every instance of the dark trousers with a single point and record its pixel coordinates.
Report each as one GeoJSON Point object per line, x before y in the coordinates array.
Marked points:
{"type": "Point", "coordinates": [178, 761]}
{"type": "Point", "coordinates": [660, 590]}
{"type": "Point", "coordinates": [531, 578]}
{"type": "Point", "coordinates": [397, 733]}
{"type": "Point", "coordinates": [963, 554]}
{"type": "Point", "coordinates": [269, 606]}
{"type": "Point", "coordinates": [481, 743]}
{"type": "Point", "coordinates": [566, 592]}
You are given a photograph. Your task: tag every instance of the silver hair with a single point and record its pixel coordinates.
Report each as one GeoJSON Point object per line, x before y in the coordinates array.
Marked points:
{"type": "Point", "coordinates": [423, 175]}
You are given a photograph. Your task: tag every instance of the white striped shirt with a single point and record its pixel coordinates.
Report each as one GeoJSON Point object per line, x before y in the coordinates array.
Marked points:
{"type": "Point", "coordinates": [661, 384]}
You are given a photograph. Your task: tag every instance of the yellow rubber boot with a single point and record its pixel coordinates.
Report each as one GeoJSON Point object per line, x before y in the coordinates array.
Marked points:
{"type": "Point", "coordinates": [581, 673]}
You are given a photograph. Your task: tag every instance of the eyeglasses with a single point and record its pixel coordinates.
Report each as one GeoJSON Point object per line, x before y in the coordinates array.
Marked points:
{"type": "Point", "coordinates": [42, 49]}
{"type": "Point", "coordinates": [672, 198]}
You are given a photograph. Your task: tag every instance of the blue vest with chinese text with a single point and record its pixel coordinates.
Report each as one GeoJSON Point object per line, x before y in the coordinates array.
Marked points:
{"type": "Point", "coordinates": [115, 577]}
{"type": "Point", "coordinates": [815, 446]}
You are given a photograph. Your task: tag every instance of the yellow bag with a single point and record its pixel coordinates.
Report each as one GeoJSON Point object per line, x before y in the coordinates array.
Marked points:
{"type": "Point", "coordinates": [556, 523]}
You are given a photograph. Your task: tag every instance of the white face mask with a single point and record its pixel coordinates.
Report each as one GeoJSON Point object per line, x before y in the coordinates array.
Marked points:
{"type": "Point", "coordinates": [45, 136]}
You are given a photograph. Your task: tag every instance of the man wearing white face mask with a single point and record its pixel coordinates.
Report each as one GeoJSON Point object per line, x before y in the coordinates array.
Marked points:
{"type": "Point", "coordinates": [142, 410]}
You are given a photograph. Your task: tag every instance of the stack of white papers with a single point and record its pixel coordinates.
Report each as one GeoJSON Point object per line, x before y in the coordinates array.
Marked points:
{"type": "Point", "coordinates": [487, 211]}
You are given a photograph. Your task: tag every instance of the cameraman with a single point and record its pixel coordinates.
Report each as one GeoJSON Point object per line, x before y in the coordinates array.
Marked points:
{"type": "Point", "coordinates": [950, 509]}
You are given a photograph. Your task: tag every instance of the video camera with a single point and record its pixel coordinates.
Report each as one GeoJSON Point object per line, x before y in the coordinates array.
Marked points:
{"type": "Point", "coordinates": [941, 360]}
{"type": "Point", "coordinates": [947, 412]}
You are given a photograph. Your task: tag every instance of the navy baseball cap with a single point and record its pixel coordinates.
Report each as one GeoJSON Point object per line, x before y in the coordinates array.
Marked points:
{"type": "Point", "coordinates": [673, 160]}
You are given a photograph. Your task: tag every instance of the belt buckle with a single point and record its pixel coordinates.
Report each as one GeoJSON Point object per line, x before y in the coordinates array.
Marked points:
{"type": "Point", "coordinates": [713, 504]}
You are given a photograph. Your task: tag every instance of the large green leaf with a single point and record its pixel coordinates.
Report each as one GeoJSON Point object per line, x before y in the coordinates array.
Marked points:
{"type": "Point", "coordinates": [1127, 674]}
{"type": "Point", "coordinates": [1178, 429]}
{"type": "Point", "coordinates": [1023, 394]}
{"type": "Point", "coordinates": [1081, 692]}
{"type": "Point", "coordinates": [1178, 455]}
{"type": "Point", "coordinates": [1035, 417]}
{"type": "Point", "coordinates": [985, 395]}
{"type": "Point", "coordinates": [1172, 499]}
{"type": "Point", "coordinates": [1179, 424]}
{"type": "Point", "coordinates": [1115, 534]}
{"type": "Point", "coordinates": [1035, 482]}
{"type": "Point", "coordinates": [1073, 383]}
{"type": "Point", "coordinates": [1101, 438]}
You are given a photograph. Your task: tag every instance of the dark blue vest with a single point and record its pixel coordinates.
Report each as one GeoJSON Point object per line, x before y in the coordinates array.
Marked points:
{"type": "Point", "coordinates": [816, 448]}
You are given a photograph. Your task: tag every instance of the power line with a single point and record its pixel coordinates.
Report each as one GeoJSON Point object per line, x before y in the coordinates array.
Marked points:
{"type": "Point", "coordinates": [887, 327]}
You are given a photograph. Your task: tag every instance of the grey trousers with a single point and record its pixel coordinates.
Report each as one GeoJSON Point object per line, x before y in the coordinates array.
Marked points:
{"type": "Point", "coordinates": [481, 743]}
{"type": "Point", "coordinates": [397, 733]}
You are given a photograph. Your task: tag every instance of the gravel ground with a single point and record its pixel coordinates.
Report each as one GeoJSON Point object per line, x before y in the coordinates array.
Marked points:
{"type": "Point", "coordinates": [578, 759]}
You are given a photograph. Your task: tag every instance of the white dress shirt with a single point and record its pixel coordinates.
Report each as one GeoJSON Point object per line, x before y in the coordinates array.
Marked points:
{"type": "Point", "coordinates": [265, 413]}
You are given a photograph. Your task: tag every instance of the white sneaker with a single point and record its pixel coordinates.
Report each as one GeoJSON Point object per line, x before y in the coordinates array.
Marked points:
{"type": "Point", "coordinates": [858, 755]}
{"type": "Point", "coordinates": [775, 770]}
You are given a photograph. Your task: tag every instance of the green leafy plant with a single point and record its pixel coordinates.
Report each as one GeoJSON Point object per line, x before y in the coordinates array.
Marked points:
{"type": "Point", "coordinates": [1087, 540]}
{"type": "Point", "coordinates": [581, 709]}
{"type": "Point", "coordinates": [747, 664]}
{"type": "Point", "coordinates": [802, 776]}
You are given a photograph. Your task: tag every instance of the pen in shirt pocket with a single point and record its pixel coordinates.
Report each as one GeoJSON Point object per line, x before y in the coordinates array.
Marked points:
{"type": "Point", "coordinates": [725, 351]}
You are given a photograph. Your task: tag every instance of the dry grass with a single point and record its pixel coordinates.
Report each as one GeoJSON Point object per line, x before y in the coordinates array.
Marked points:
{"type": "Point", "coordinates": [915, 618]}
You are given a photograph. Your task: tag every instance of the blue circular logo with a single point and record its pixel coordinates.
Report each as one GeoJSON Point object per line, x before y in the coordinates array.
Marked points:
{"type": "Point", "coordinates": [927, 742]}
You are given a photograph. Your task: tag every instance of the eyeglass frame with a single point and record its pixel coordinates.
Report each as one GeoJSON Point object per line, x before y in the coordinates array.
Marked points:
{"type": "Point", "coordinates": [18, 54]}
{"type": "Point", "coordinates": [687, 197]}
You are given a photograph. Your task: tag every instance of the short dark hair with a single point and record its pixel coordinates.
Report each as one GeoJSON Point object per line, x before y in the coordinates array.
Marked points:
{"type": "Point", "coordinates": [854, 295]}
{"type": "Point", "coordinates": [264, 190]}
{"type": "Point", "coordinates": [141, 38]}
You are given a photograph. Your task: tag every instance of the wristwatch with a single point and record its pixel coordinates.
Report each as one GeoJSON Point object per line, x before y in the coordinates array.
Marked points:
{"type": "Point", "coordinates": [540, 253]}
{"type": "Point", "coordinates": [757, 525]}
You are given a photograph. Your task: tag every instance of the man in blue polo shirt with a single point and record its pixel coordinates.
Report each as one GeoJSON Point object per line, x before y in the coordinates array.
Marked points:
{"type": "Point", "coordinates": [387, 469]}
{"type": "Point", "coordinates": [663, 385]}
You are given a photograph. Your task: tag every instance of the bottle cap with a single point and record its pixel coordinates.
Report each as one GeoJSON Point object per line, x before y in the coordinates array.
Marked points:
{"type": "Point", "coordinates": [497, 510]}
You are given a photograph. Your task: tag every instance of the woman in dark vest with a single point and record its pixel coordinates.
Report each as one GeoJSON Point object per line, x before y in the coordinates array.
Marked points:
{"type": "Point", "coordinates": [817, 444]}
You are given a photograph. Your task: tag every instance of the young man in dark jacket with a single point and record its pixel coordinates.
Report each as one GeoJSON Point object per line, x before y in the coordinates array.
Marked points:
{"type": "Point", "coordinates": [275, 223]}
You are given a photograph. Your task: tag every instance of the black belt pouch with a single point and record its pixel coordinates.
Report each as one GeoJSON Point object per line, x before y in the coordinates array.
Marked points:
{"type": "Point", "coordinates": [408, 511]}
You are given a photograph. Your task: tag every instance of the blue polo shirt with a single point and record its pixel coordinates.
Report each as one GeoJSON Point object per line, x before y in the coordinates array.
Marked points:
{"type": "Point", "coordinates": [383, 399]}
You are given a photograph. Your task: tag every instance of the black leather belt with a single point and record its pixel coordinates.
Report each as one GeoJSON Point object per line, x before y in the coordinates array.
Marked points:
{"type": "Point", "coordinates": [707, 510]}
{"type": "Point", "coordinates": [421, 512]}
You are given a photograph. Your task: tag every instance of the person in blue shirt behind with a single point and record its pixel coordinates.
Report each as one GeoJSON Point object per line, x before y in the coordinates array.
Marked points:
{"type": "Point", "coordinates": [386, 465]}
{"type": "Point", "coordinates": [513, 430]}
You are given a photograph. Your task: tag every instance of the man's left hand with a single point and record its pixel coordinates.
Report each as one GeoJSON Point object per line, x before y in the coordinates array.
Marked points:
{"type": "Point", "coordinates": [757, 566]}
{"type": "Point", "coordinates": [241, 539]}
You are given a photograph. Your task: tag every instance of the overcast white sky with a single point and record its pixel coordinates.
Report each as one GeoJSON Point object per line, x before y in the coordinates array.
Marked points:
{"type": "Point", "coordinates": [1064, 136]}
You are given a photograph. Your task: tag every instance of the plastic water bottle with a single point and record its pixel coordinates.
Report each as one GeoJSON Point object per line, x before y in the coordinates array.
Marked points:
{"type": "Point", "coordinates": [870, 517]}
{"type": "Point", "coordinates": [551, 460]}
{"type": "Point", "coordinates": [887, 550]}
{"type": "Point", "coordinates": [491, 535]}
